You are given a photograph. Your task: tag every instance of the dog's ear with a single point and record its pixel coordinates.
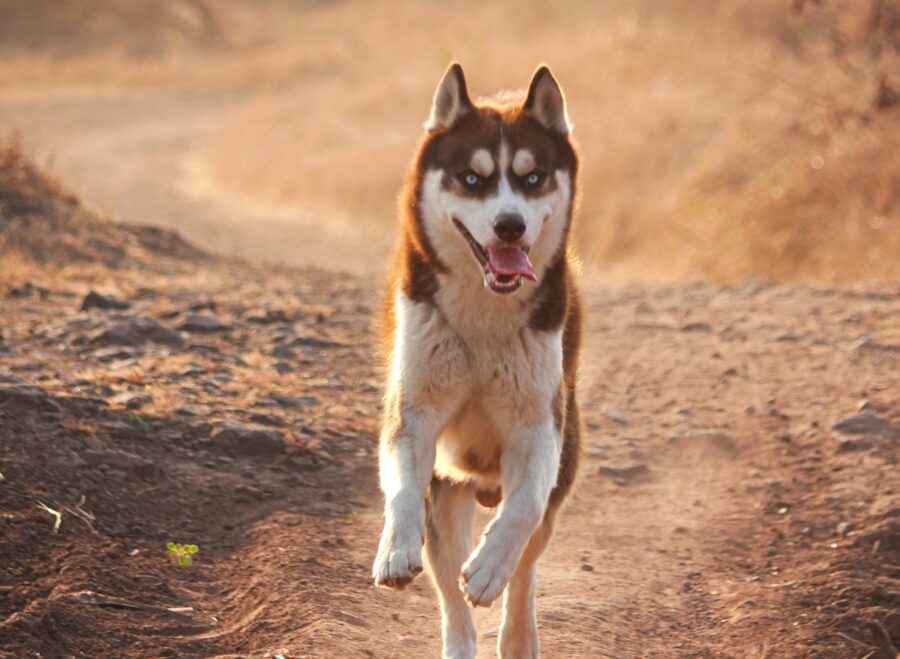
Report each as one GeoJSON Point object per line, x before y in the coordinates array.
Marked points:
{"type": "Point", "coordinates": [546, 103]}
{"type": "Point", "coordinates": [451, 100]}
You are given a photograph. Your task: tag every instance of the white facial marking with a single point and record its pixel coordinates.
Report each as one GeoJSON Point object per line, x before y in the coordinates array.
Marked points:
{"type": "Point", "coordinates": [545, 216]}
{"type": "Point", "coordinates": [482, 163]}
{"type": "Point", "coordinates": [523, 162]}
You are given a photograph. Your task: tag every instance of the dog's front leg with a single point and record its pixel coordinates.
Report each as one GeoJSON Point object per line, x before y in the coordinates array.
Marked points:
{"type": "Point", "coordinates": [529, 468]}
{"type": "Point", "coordinates": [406, 464]}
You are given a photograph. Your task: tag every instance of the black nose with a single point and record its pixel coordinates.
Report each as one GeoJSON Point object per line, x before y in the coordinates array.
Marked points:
{"type": "Point", "coordinates": [509, 227]}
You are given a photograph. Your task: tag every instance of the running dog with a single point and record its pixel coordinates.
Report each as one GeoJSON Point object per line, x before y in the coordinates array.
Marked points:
{"type": "Point", "coordinates": [482, 326]}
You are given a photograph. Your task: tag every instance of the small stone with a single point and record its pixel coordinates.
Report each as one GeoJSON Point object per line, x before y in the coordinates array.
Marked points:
{"type": "Point", "coordinates": [202, 323]}
{"type": "Point", "coordinates": [712, 442]}
{"type": "Point", "coordinates": [623, 473]}
{"type": "Point", "coordinates": [267, 316]}
{"type": "Point", "coordinates": [113, 354]}
{"type": "Point", "coordinates": [134, 331]}
{"type": "Point", "coordinates": [27, 396]}
{"type": "Point", "coordinates": [203, 305]}
{"type": "Point", "coordinates": [697, 326]}
{"type": "Point", "coordinates": [267, 420]}
{"type": "Point", "coordinates": [132, 401]}
{"type": "Point", "coordinates": [869, 343]}
{"type": "Point", "coordinates": [283, 352]}
{"type": "Point", "coordinates": [253, 441]}
{"type": "Point", "coordinates": [866, 423]}
{"type": "Point", "coordinates": [843, 528]}
{"type": "Point", "coordinates": [293, 402]}
{"type": "Point", "coordinates": [282, 367]}
{"type": "Point", "coordinates": [128, 463]}
{"type": "Point", "coordinates": [854, 445]}
{"type": "Point", "coordinates": [84, 406]}
{"type": "Point", "coordinates": [314, 342]}
{"type": "Point", "coordinates": [618, 416]}
{"type": "Point", "coordinates": [95, 300]}
{"type": "Point", "coordinates": [189, 410]}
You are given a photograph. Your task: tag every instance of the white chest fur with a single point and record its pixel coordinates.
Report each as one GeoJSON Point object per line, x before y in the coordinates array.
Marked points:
{"type": "Point", "coordinates": [472, 358]}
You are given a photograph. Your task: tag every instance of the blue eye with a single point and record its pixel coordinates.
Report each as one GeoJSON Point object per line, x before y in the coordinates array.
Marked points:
{"type": "Point", "coordinates": [471, 179]}
{"type": "Point", "coordinates": [533, 179]}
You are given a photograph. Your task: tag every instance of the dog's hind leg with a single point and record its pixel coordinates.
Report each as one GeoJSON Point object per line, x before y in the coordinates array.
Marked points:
{"type": "Point", "coordinates": [518, 638]}
{"type": "Point", "coordinates": [448, 541]}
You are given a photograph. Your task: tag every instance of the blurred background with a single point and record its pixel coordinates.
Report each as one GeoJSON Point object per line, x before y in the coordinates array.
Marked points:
{"type": "Point", "coordinates": [719, 139]}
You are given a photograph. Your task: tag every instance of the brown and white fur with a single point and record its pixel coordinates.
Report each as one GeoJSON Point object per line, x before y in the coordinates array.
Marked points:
{"type": "Point", "coordinates": [480, 401]}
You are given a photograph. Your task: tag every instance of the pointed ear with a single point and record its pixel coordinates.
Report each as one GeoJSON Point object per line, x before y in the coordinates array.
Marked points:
{"type": "Point", "coordinates": [546, 103]}
{"type": "Point", "coordinates": [451, 100]}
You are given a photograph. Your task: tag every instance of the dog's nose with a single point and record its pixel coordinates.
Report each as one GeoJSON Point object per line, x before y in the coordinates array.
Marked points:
{"type": "Point", "coordinates": [509, 227]}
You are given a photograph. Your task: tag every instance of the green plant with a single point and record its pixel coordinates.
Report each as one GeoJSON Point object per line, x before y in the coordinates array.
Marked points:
{"type": "Point", "coordinates": [181, 555]}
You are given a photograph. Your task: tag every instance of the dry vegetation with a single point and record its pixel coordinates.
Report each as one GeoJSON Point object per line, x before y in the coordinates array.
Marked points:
{"type": "Point", "coordinates": [719, 139]}
{"type": "Point", "coordinates": [42, 224]}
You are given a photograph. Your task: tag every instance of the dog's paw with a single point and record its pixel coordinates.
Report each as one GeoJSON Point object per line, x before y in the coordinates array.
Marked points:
{"type": "Point", "coordinates": [398, 562]}
{"type": "Point", "coordinates": [483, 578]}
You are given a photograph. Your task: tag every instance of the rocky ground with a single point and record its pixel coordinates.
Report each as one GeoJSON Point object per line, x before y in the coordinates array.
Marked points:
{"type": "Point", "coordinates": [738, 497]}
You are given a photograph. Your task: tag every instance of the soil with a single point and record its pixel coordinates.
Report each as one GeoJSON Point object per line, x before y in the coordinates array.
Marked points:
{"type": "Point", "coordinates": [738, 495]}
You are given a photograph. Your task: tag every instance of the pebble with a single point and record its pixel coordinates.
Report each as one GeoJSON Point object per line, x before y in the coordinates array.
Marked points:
{"type": "Point", "coordinates": [95, 300]}
{"type": "Point", "coordinates": [267, 420]}
{"type": "Point", "coordinates": [314, 342]}
{"type": "Point", "coordinates": [283, 352]}
{"type": "Point", "coordinates": [713, 442]}
{"type": "Point", "coordinates": [113, 354]}
{"type": "Point", "coordinates": [253, 441]}
{"type": "Point", "coordinates": [132, 401]}
{"type": "Point", "coordinates": [618, 416]}
{"type": "Point", "coordinates": [869, 343]}
{"type": "Point", "coordinates": [623, 473]}
{"type": "Point", "coordinates": [128, 463]}
{"type": "Point", "coordinates": [202, 323]}
{"type": "Point", "coordinates": [136, 330]}
{"type": "Point", "coordinates": [293, 402]}
{"type": "Point", "coordinates": [28, 396]}
{"type": "Point", "coordinates": [867, 423]}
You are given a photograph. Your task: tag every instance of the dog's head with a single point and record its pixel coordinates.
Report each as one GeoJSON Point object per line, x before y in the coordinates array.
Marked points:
{"type": "Point", "coordinates": [497, 181]}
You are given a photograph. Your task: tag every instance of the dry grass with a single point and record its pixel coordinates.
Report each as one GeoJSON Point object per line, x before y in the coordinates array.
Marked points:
{"type": "Point", "coordinates": [718, 142]}
{"type": "Point", "coordinates": [43, 223]}
{"type": "Point", "coordinates": [719, 139]}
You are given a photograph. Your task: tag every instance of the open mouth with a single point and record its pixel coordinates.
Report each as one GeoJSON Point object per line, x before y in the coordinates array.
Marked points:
{"type": "Point", "coordinates": [504, 266]}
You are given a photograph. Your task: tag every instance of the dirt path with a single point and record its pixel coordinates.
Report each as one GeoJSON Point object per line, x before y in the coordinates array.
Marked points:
{"type": "Point", "coordinates": [139, 156]}
{"type": "Point", "coordinates": [717, 515]}
{"type": "Point", "coordinates": [709, 461]}
{"type": "Point", "coordinates": [722, 511]}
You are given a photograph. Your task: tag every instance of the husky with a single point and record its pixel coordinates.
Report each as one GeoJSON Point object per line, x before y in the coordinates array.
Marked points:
{"type": "Point", "coordinates": [482, 327]}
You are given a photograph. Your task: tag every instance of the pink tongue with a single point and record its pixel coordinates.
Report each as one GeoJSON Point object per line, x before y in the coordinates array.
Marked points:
{"type": "Point", "coordinates": [510, 261]}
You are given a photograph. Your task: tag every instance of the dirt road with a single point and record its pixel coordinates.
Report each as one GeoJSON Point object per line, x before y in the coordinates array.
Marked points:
{"type": "Point", "coordinates": [738, 495]}
{"type": "Point", "coordinates": [139, 156]}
